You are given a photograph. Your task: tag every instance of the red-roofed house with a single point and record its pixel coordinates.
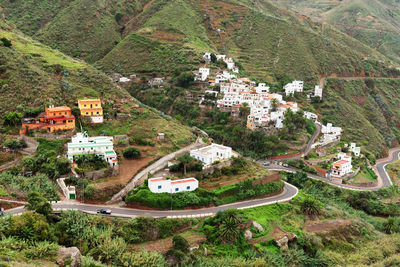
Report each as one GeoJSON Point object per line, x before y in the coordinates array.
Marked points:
{"type": "Point", "coordinates": [342, 166]}
{"type": "Point", "coordinates": [162, 185]}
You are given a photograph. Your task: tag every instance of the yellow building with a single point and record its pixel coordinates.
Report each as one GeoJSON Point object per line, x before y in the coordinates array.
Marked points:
{"type": "Point", "coordinates": [91, 108]}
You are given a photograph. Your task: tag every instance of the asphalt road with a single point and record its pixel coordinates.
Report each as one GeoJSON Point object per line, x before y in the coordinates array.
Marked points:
{"type": "Point", "coordinates": [288, 193]}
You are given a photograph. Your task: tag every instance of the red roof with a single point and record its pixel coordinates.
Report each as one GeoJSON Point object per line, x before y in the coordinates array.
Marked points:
{"type": "Point", "coordinates": [183, 181]}
{"type": "Point", "coordinates": [157, 179]}
{"type": "Point", "coordinates": [340, 162]}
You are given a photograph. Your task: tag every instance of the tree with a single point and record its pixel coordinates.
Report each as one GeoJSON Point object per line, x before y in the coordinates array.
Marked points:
{"type": "Point", "coordinates": [38, 203]}
{"type": "Point", "coordinates": [229, 228]}
{"type": "Point", "coordinates": [180, 243]}
{"type": "Point", "coordinates": [185, 160]}
{"type": "Point", "coordinates": [6, 42]}
{"type": "Point", "coordinates": [213, 57]}
{"type": "Point", "coordinates": [12, 118]}
{"type": "Point", "coordinates": [274, 104]}
{"type": "Point", "coordinates": [132, 153]}
{"type": "Point", "coordinates": [15, 144]}
{"type": "Point", "coordinates": [185, 79]}
{"type": "Point", "coordinates": [310, 206]}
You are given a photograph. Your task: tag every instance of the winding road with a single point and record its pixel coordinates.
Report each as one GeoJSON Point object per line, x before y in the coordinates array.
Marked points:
{"type": "Point", "coordinates": [288, 193]}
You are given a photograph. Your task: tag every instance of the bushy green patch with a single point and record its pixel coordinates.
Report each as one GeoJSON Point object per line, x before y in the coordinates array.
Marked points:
{"type": "Point", "coordinates": [88, 163]}
{"type": "Point", "coordinates": [201, 197]}
{"type": "Point", "coordinates": [20, 186]}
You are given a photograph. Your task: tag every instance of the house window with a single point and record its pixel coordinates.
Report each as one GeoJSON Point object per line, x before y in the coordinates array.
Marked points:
{"type": "Point", "coordinates": [65, 113]}
{"type": "Point", "coordinates": [85, 106]}
{"type": "Point", "coordinates": [187, 187]}
{"type": "Point", "coordinates": [97, 112]}
{"type": "Point", "coordinates": [87, 113]}
{"type": "Point", "coordinates": [159, 187]}
{"type": "Point", "coordinates": [176, 189]}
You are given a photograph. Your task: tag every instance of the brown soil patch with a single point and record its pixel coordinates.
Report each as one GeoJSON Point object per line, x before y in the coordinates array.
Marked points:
{"type": "Point", "coordinates": [211, 184]}
{"type": "Point", "coordinates": [9, 205]}
{"type": "Point", "coordinates": [326, 226]}
{"type": "Point", "coordinates": [127, 169]}
{"type": "Point", "coordinates": [163, 245]}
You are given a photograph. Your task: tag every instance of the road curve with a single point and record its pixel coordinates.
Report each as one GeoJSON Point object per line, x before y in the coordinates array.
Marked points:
{"type": "Point", "coordinates": [379, 169]}
{"type": "Point", "coordinates": [288, 193]}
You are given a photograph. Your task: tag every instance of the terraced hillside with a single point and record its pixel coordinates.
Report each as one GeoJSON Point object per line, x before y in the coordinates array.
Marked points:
{"type": "Point", "coordinates": [368, 109]}
{"type": "Point", "coordinates": [373, 22]}
{"type": "Point", "coordinates": [167, 35]}
{"type": "Point", "coordinates": [34, 76]}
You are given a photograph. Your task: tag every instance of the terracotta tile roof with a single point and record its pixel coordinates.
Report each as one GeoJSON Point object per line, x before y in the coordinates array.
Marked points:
{"type": "Point", "coordinates": [340, 162]}
{"type": "Point", "coordinates": [183, 181]}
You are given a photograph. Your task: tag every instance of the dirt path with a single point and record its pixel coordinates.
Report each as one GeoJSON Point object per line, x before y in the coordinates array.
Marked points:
{"type": "Point", "coordinates": [127, 169]}
{"type": "Point", "coordinates": [32, 145]}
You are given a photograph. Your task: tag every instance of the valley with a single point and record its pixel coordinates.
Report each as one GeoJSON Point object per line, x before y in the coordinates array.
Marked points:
{"type": "Point", "coordinates": [199, 133]}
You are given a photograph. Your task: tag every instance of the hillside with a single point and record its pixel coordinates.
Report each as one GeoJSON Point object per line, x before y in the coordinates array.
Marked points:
{"type": "Point", "coordinates": [374, 108]}
{"type": "Point", "coordinates": [34, 76]}
{"type": "Point", "coordinates": [164, 36]}
{"type": "Point", "coordinates": [373, 22]}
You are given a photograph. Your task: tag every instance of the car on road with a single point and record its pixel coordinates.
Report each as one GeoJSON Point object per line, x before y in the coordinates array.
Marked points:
{"type": "Point", "coordinates": [285, 165]}
{"type": "Point", "coordinates": [104, 211]}
{"type": "Point", "coordinates": [302, 155]}
{"type": "Point", "coordinates": [266, 163]}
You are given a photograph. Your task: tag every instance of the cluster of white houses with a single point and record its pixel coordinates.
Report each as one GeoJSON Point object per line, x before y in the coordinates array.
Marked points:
{"type": "Point", "coordinates": [102, 146]}
{"type": "Point", "coordinates": [265, 108]}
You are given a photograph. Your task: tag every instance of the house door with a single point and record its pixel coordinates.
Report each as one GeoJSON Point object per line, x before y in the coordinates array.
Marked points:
{"type": "Point", "coordinates": [72, 196]}
{"type": "Point", "coordinates": [91, 105]}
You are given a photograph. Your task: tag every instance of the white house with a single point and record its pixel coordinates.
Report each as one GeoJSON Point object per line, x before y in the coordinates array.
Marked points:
{"type": "Point", "coordinates": [295, 86]}
{"type": "Point", "coordinates": [318, 91]}
{"type": "Point", "coordinates": [103, 146]}
{"type": "Point", "coordinates": [221, 57]}
{"type": "Point", "coordinates": [262, 88]}
{"type": "Point", "coordinates": [202, 75]}
{"type": "Point", "coordinates": [356, 150]}
{"type": "Point", "coordinates": [209, 154]}
{"type": "Point", "coordinates": [310, 116]}
{"type": "Point", "coordinates": [331, 133]}
{"type": "Point", "coordinates": [342, 166]}
{"type": "Point", "coordinates": [229, 63]}
{"type": "Point", "coordinates": [207, 57]}
{"type": "Point", "coordinates": [162, 185]}
{"type": "Point", "coordinates": [124, 80]}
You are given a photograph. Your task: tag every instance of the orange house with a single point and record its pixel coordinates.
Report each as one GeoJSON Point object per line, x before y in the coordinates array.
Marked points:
{"type": "Point", "coordinates": [53, 119]}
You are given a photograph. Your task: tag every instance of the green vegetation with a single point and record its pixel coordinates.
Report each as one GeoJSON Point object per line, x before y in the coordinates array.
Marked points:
{"type": "Point", "coordinates": [88, 163]}
{"type": "Point", "coordinates": [201, 197]}
{"type": "Point", "coordinates": [374, 23]}
{"type": "Point", "coordinates": [374, 106]}
{"type": "Point", "coordinates": [132, 153]}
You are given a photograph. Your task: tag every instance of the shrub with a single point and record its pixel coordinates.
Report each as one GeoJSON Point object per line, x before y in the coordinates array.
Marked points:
{"type": "Point", "coordinates": [132, 153]}
{"type": "Point", "coordinates": [180, 243]}
{"type": "Point", "coordinates": [6, 42]}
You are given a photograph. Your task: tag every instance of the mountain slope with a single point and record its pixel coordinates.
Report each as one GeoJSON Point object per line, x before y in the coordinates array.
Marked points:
{"type": "Point", "coordinates": [269, 42]}
{"type": "Point", "coordinates": [373, 22]}
{"type": "Point", "coordinates": [34, 76]}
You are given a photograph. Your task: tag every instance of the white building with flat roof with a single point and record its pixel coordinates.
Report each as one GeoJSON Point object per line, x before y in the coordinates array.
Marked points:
{"type": "Point", "coordinates": [310, 116]}
{"type": "Point", "coordinates": [81, 144]}
{"type": "Point", "coordinates": [163, 185]}
{"type": "Point", "coordinates": [318, 91]}
{"type": "Point", "coordinates": [295, 86]}
{"type": "Point", "coordinates": [221, 57]}
{"type": "Point", "coordinates": [212, 153]}
{"type": "Point", "coordinates": [202, 74]}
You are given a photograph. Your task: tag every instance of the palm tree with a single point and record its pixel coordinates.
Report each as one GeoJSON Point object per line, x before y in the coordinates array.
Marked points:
{"type": "Point", "coordinates": [229, 229]}
{"type": "Point", "coordinates": [310, 206]}
{"type": "Point", "coordinates": [391, 225]}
